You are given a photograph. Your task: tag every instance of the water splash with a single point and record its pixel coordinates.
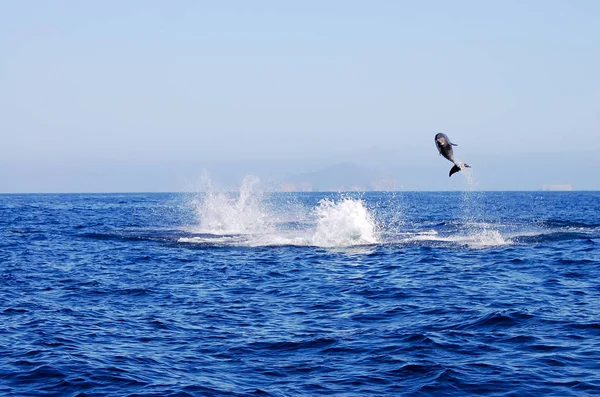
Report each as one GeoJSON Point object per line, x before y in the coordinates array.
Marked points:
{"type": "Point", "coordinates": [488, 238]}
{"type": "Point", "coordinates": [253, 218]}
{"type": "Point", "coordinates": [485, 238]}
{"type": "Point", "coordinates": [480, 232]}
{"type": "Point", "coordinates": [345, 223]}
{"type": "Point", "coordinates": [246, 218]}
{"type": "Point", "coordinates": [230, 213]}
{"type": "Point", "coordinates": [472, 182]}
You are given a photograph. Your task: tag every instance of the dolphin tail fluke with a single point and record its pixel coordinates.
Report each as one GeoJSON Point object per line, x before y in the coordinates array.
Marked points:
{"type": "Point", "coordinates": [458, 167]}
{"type": "Point", "coordinates": [454, 170]}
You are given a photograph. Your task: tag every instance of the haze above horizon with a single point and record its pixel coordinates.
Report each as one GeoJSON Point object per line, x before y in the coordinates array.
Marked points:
{"type": "Point", "coordinates": [147, 95]}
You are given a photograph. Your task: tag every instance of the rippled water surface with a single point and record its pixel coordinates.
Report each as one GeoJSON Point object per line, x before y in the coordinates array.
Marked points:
{"type": "Point", "coordinates": [373, 294]}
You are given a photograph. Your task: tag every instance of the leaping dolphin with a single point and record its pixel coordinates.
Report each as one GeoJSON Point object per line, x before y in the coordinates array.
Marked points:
{"type": "Point", "coordinates": [444, 146]}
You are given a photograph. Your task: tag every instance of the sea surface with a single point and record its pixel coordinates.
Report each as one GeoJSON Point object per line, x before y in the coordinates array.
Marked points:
{"type": "Point", "coordinates": [300, 294]}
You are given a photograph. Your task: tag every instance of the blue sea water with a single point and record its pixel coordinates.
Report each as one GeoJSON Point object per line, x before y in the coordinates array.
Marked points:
{"type": "Point", "coordinates": [300, 294]}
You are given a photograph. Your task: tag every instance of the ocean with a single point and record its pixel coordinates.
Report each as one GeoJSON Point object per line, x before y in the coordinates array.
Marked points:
{"type": "Point", "coordinates": [300, 294]}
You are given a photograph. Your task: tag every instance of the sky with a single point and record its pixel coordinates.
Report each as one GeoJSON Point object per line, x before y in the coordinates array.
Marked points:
{"type": "Point", "coordinates": [142, 95]}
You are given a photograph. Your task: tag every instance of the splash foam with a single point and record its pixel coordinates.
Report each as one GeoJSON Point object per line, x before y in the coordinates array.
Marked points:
{"type": "Point", "coordinates": [484, 238]}
{"type": "Point", "coordinates": [227, 213]}
{"type": "Point", "coordinates": [345, 223]}
{"type": "Point", "coordinates": [246, 219]}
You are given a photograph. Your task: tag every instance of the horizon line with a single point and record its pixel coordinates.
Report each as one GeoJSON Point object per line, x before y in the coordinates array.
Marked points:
{"type": "Point", "coordinates": [312, 191]}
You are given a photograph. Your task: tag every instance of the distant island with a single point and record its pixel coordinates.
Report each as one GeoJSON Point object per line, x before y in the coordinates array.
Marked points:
{"type": "Point", "coordinates": [340, 177]}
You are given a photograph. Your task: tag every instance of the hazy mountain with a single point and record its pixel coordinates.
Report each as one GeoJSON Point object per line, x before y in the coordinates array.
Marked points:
{"type": "Point", "coordinates": [339, 177]}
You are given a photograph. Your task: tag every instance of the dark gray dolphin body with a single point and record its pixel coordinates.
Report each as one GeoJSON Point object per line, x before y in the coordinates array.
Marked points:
{"type": "Point", "coordinates": [444, 146]}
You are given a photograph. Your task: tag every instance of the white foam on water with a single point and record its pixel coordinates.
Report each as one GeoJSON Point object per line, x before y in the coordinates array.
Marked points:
{"type": "Point", "coordinates": [230, 213]}
{"type": "Point", "coordinates": [245, 219]}
{"type": "Point", "coordinates": [344, 223]}
{"type": "Point", "coordinates": [220, 240]}
{"type": "Point", "coordinates": [482, 239]}
{"type": "Point", "coordinates": [486, 238]}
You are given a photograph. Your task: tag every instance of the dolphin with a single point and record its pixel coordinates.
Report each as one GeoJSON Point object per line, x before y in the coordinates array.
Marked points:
{"type": "Point", "coordinates": [444, 146]}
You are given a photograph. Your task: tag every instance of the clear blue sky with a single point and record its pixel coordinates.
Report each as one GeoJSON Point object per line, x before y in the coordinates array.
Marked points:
{"type": "Point", "coordinates": [144, 95]}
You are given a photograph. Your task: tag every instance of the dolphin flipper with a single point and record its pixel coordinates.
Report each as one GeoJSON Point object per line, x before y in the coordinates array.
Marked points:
{"type": "Point", "coordinates": [454, 170]}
